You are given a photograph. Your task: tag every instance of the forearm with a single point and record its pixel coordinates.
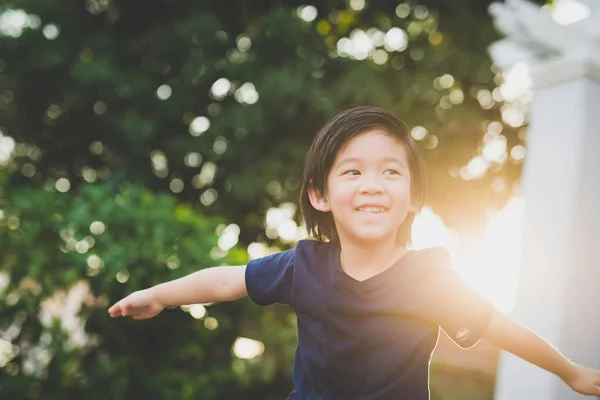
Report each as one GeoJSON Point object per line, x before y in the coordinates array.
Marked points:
{"type": "Point", "coordinates": [205, 286]}
{"type": "Point", "coordinates": [525, 344]}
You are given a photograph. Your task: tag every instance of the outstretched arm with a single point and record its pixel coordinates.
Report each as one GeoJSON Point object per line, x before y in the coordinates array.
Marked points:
{"type": "Point", "coordinates": [205, 286]}
{"type": "Point", "coordinates": [520, 341]}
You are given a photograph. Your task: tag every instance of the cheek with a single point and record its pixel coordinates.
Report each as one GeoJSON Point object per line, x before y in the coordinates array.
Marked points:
{"type": "Point", "coordinates": [341, 194]}
{"type": "Point", "coordinates": [401, 193]}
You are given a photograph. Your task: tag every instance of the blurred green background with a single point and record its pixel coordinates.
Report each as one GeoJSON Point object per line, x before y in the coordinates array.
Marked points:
{"type": "Point", "coordinates": [142, 140]}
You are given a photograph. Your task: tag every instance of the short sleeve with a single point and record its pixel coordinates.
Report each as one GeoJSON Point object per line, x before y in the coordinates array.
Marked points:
{"type": "Point", "coordinates": [269, 279]}
{"type": "Point", "coordinates": [454, 305]}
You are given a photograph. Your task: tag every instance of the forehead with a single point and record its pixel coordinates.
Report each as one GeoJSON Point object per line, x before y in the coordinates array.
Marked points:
{"type": "Point", "coordinates": [374, 144]}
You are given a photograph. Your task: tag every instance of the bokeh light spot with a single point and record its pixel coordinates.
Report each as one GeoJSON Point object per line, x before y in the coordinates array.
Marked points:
{"type": "Point", "coordinates": [164, 92]}
{"type": "Point", "coordinates": [247, 348]}
{"type": "Point", "coordinates": [199, 125]}
{"type": "Point", "coordinates": [51, 31]}
{"type": "Point", "coordinates": [307, 13]}
{"type": "Point", "coordinates": [63, 185]}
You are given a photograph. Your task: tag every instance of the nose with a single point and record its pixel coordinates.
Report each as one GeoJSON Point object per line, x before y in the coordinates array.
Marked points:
{"type": "Point", "coordinates": [371, 184]}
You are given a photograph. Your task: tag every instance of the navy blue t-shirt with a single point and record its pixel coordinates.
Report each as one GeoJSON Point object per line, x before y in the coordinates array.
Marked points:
{"type": "Point", "coordinates": [371, 339]}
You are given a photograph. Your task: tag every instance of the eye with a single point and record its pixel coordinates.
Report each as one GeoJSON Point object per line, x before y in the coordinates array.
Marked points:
{"type": "Point", "coordinates": [351, 172]}
{"type": "Point", "coordinates": [392, 172]}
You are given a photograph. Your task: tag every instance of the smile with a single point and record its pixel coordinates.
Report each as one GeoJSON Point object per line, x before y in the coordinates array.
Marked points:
{"type": "Point", "coordinates": [371, 209]}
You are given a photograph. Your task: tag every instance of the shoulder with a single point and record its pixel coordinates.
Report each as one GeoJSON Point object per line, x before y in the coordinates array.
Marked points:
{"type": "Point", "coordinates": [304, 251]}
{"type": "Point", "coordinates": [273, 261]}
{"type": "Point", "coordinates": [433, 257]}
{"type": "Point", "coordinates": [429, 264]}
{"type": "Point", "coordinates": [312, 249]}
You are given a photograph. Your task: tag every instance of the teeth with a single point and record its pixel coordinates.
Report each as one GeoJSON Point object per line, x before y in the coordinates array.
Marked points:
{"type": "Point", "coordinates": [371, 209]}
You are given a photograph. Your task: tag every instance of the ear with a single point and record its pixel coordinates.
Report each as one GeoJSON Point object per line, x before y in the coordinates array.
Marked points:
{"type": "Point", "coordinates": [317, 200]}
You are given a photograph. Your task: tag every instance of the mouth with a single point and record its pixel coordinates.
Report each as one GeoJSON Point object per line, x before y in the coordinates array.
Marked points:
{"type": "Point", "coordinates": [372, 209]}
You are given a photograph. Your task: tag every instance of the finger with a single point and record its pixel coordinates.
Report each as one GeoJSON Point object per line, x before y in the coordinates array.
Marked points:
{"type": "Point", "coordinates": [115, 310]}
{"type": "Point", "coordinates": [126, 309]}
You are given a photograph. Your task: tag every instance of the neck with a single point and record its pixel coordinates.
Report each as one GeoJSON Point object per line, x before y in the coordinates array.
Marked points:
{"type": "Point", "coordinates": [363, 260]}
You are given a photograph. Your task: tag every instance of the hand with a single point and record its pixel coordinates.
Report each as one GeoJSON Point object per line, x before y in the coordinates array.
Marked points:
{"type": "Point", "coordinates": [138, 305]}
{"type": "Point", "coordinates": [585, 381]}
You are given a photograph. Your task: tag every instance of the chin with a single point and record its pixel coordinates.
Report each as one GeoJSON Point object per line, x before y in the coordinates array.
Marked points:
{"type": "Point", "coordinates": [374, 235]}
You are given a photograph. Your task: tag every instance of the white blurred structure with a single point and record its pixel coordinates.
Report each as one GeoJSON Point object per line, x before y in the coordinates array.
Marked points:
{"type": "Point", "coordinates": [559, 283]}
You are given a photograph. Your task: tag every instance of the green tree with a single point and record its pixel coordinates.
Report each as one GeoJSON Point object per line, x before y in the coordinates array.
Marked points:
{"type": "Point", "coordinates": [115, 240]}
{"type": "Point", "coordinates": [198, 97]}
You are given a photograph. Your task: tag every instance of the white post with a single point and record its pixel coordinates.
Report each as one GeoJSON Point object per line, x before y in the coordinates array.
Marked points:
{"type": "Point", "coordinates": [559, 284]}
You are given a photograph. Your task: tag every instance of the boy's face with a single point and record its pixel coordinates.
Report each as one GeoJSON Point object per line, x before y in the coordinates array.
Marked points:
{"type": "Point", "coordinates": [368, 188]}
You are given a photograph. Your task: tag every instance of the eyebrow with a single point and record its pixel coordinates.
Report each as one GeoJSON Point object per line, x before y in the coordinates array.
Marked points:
{"type": "Point", "coordinates": [385, 159]}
